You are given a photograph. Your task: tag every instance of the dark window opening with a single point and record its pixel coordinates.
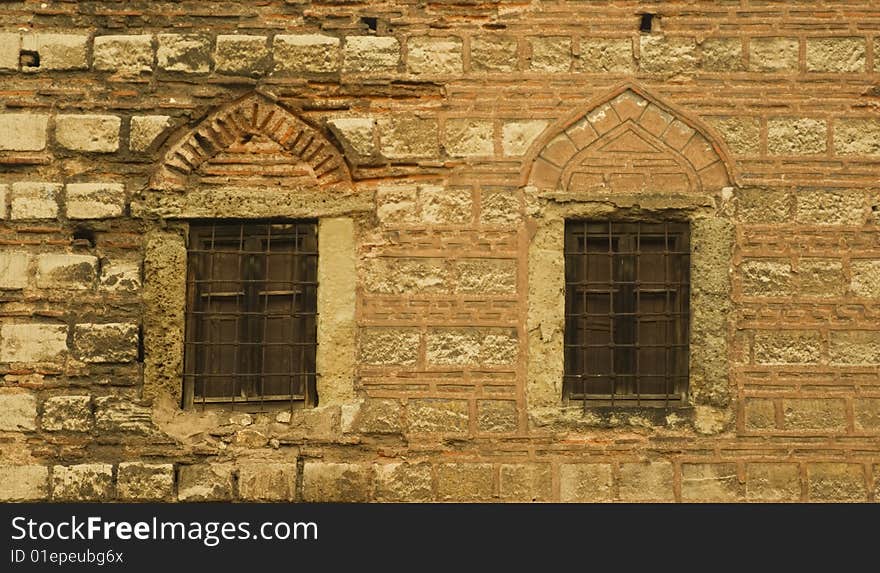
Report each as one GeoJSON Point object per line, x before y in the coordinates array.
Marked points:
{"type": "Point", "coordinates": [646, 22]}
{"type": "Point", "coordinates": [370, 22]}
{"type": "Point", "coordinates": [84, 237]}
{"type": "Point", "coordinates": [627, 291]}
{"type": "Point", "coordinates": [251, 314]}
{"type": "Point", "coordinates": [29, 59]}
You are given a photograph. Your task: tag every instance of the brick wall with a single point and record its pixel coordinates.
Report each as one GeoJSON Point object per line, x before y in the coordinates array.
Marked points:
{"type": "Point", "coordinates": [434, 116]}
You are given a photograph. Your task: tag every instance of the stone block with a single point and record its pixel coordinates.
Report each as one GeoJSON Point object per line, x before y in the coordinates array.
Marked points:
{"type": "Point", "coordinates": [407, 136]}
{"type": "Point", "coordinates": [83, 482]}
{"type": "Point", "coordinates": [497, 416]}
{"type": "Point", "coordinates": [444, 206]}
{"type": "Point", "coordinates": [35, 200]}
{"type": "Point", "coordinates": [18, 410]}
{"type": "Point", "coordinates": [122, 414]}
{"type": "Point", "coordinates": [127, 54]}
{"type": "Point", "coordinates": [721, 55]}
{"type": "Point", "coordinates": [33, 342]}
{"type": "Point", "coordinates": [857, 136]}
{"type": "Point", "coordinates": [774, 54]}
{"type": "Point", "coordinates": [267, 481]}
{"type": "Point", "coordinates": [742, 134]}
{"type": "Point", "coordinates": [866, 412]}
{"type": "Point", "coordinates": [67, 414]}
{"type": "Point", "coordinates": [486, 276]}
{"type": "Point", "coordinates": [766, 277]}
{"type": "Point", "coordinates": [667, 55]}
{"type": "Point", "coordinates": [551, 54]}
{"type": "Point", "coordinates": [374, 54]}
{"type": "Point", "coordinates": [139, 481]}
{"type": "Point", "coordinates": [57, 51]}
{"type": "Point", "coordinates": [336, 482]}
{"type": "Point", "coordinates": [403, 482]}
{"type": "Point", "coordinates": [772, 482]}
{"type": "Point", "coordinates": [646, 481]}
{"type": "Point", "coordinates": [763, 205]}
{"type": "Point", "coordinates": [854, 347]}
{"type": "Point", "coordinates": [585, 483]}
{"type": "Point", "coordinates": [820, 277]}
{"type": "Point", "coordinates": [241, 55]}
{"type": "Point", "coordinates": [836, 482]}
{"type": "Point", "coordinates": [95, 200]}
{"type": "Point", "coordinates": [606, 55]}
{"type": "Point", "coordinates": [787, 347]}
{"type": "Point", "coordinates": [465, 482]}
{"type": "Point", "coordinates": [357, 133]}
{"type": "Point", "coordinates": [493, 54]}
{"type": "Point", "coordinates": [406, 275]}
{"type": "Point", "coordinates": [499, 208]}
{"type": "Point", "coordinates": [835, 54]}
{"type": "Point", "coordinates": [814, 414]}
{"type": "Point", "coordinates": [436, 415]}
{"type": "Point", "coordinates": [379, 416]}
{"type": "Point", "coordinates": [24, 483]}
{"type": "Point", "coordinates": [710, 483]}
{"type": "Point", "coordinates": [434, 55]}
{"type": "Point", "coordinates": [796, 136]}
{"type": "Point", "coordinates": [760, 414]}
{"type": "Point", "coordinates": [205, 482]}
{"type": "Point", "coordinates": [828, 207]}
{"type": "Point", "coordinates": [107, 342]}
{"type": "Point", "coordinates": [383, 346]}
{"type": "Point", "coordinates": [463, 346]}
{"type": "Point", "coordinates": [187, 53]}
{"type": "Point", "coordinates": [23, 131]}
{"type": "Point", "coordinates": [865, 277]}
{"type": "Point", "coordinates": [306, 53]}
{"type": "Point", "coordinates": [65, 271]}
{"type": "Point", "coordinates": [120, 276]}
{"type": "Point", "coordinates": [525, 482]}
{"type": "Point", "coordinates": [13, 270]}
{"type": "Point", "coordinates": [92, 133]}
{"type": "Point", "coordinates": [10, 48]}
{"type": "Point", "coordinates": [469, 138]}
{"type": "Point", "coordinates": [517, 136]}
{"type": "Point", "coordinates": [145, 129]}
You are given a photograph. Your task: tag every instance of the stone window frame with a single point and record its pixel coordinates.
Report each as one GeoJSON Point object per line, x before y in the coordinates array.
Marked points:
{"type": "Point", "coordinates": [707, 206]}
{"type": "Point", "coordinates": [170, 202]}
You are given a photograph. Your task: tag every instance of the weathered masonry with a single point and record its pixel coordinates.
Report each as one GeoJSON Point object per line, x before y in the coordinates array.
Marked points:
{"type": "Point", "coordinates": [408, 251]}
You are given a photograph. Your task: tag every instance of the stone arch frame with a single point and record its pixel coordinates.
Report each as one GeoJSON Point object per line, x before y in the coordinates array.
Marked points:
{"type": "Point", "coordinates": [694, 144]}
{"type": "Point", "coordinates": [169, 202]}
{"type": "Point", "coordinates": [704, 202]}
{"type": "Point", "coordinates": [252, 114]}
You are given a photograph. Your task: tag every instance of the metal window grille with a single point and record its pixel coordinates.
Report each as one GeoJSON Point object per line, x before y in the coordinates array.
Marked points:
{"type": "Point", "coordinates": [251, 314]}
{"type": "Point", "coordinates": [627, 297]}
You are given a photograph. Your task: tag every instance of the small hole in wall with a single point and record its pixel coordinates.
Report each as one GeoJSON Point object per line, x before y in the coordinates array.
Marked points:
{"type": "Point", "coordinates": [370, 22]}
{"type": "Point", "coordinates": [83, 237]}
{"type": "Point", "coordinates": [646, 22]}
{"type": "Point", "coordinates": [29, 59]}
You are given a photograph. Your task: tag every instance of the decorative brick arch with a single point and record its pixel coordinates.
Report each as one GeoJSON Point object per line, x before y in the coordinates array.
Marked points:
{"type": "Point", "coordinates": [628, 141]}
{"type": "Point", "coordinates": [254, 114]}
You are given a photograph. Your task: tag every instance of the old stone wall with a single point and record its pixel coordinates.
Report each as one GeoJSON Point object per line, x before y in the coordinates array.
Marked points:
{"type": "Point", "coordinates": [439, 143]}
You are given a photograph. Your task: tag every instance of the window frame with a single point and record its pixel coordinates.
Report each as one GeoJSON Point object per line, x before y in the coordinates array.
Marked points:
{"type": "Point", "coordinates": [197, 237]}
{"type": "Point", "coordinates": [622, 283]}
{"type": "Point", "coordinates": [709, 398]}
{"type": "Point", "coordinates": [164, 299]}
